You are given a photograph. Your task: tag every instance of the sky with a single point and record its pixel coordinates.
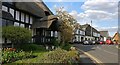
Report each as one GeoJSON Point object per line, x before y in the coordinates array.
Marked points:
{"type": "Point", "coordinates": [102, 13]}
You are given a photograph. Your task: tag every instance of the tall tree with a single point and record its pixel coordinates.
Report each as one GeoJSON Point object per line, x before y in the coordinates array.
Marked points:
{"type": "Point", "coordinates": [67, 25]}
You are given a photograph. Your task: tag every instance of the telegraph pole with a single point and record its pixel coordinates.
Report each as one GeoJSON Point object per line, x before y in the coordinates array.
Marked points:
{"type": "Point", "coordinates": [91, 29]}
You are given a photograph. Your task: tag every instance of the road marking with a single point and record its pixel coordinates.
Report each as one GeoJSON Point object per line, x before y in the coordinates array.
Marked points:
{"type": "Point", "coordinates": [107, 51]}
{"type": "Point", "coordinates": [117, 47]}
{"type": "Point", "coordinates": [92, 57]}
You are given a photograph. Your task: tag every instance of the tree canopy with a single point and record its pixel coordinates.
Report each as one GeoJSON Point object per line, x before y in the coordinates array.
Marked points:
{"type": "Point", "coordinates": [67, 24]}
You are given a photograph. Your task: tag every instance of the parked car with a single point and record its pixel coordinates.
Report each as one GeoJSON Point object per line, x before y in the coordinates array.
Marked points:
{"type": "Point", "coordinates": [108, 41]}
{"type": "Point", "coordinates": [95, 42]}
{"type": "Point", "coordinates": [87, 42]}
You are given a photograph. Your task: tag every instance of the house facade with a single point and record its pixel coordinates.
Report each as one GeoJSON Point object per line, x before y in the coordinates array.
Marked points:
{"type": "Point", "coordinates": [104, 35]}
{"type": "Point", "coordinates": [116, 37]}
{"type": "Point", "coordinates": [90, 32]}
{"type": "Point", "coordinates": [79, 34]}
{"type": "Point", "coordinates": [85, 32]}
{"type": "Point", "coordinates": [34, 16]}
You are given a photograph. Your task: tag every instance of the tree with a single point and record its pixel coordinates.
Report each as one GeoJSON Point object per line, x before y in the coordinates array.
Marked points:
{"type": "Point", "coordinates": [67, 25]}
{"type": "Point", "coordinates": [16, 35]}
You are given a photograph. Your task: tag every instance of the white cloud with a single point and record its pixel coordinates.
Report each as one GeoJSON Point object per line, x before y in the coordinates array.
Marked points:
{"type": "Point", "coordinates": [100, 5]}
{"type": "Point", "coordinates": [110, 29]}
{"type": "Point", "coordinates": [98, 10]}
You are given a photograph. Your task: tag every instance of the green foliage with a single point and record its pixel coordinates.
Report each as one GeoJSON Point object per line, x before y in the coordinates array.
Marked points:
{"type": "Point", "coordinates": [66, 46]}
{"type": "Point", "coordinates": [16, 34]}
{"type": "Point", "coordinates": [59, 56]}
{"type": "Point", "coordinates": [32, 47]}
{"type": "Point", "coordinates": [9, 55]}
{"type": "Point", "coordinates": [55, 42]}
{"type": "Point", "coordinates": [56, 56]}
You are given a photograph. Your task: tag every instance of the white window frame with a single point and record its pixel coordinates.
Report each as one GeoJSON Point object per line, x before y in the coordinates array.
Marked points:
{"type": "Point", "coordinates": [22, 17]}
{"type": "Point", "coordinates": [16, 24]}
{"type": "Point", "coordinates": [4, 8]}
{"type": "Point", "coordinates": [52, 33]}
{"type": "Point", "coordinates": [17, 15]}
{"type": "Point", "coordinates": [31, 19]}
{"type": "Point", "coordinates": [56, 34]}
{"type": "Point", "coordinates": [27, 19]}
{"type": "Point", "coordinates": [22, 25]}
{"type": "Point", "coordinates": [12, 11]}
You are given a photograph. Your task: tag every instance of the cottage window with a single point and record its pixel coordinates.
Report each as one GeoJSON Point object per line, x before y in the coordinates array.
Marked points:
{"type": "Point", "coordinates": [6, 22]}
{"type": "Point", "coordinates": [56, 33]}
{"type": "Point", "coordinates": [16, 24]}
{"type": "Point", "coordinates": [22, 17]}
{"type": "Point", "coordinates": [27, 19]}
{"type": "Point", "coordinates": [4, 8]}
{"type": "Point", "coordinates": [12, 12]}
{"type": "Point", "coordinates": [22, 25]}
{"type": "Point", "coordinates": [31, 20]}
{"type": "Point", "coordinates": [17, 15]}
{"type": "Point", "coordinates": [3, 22]}
{"type": "Point", "coordinates": [29, 27]}
{"type": "Point", "coordinates": [51, 33]}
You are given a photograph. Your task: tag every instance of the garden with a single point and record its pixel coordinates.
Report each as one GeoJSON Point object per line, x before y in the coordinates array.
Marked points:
{"type": "Point", "coordinates": [29, 53]}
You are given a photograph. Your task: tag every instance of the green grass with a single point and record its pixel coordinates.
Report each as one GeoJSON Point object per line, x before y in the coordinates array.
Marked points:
{"type": "Point", "coordinates": [33, 60]}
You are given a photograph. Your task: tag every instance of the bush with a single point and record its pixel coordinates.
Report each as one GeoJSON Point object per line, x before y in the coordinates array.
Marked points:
{"type": "Point", "coordinates": [59, 56]}
{"type": "Point", "coordinates": [32, 47]}
{"type": "Point", "coordinates": [16, 34]}
{"type": "Point", "coordinates": [66, 46]}
{"type": "Point", "coordinates": [55, 42]}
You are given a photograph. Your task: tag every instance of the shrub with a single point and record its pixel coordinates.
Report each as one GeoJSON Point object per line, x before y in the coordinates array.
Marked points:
{"type": "Point", "coordinates": [59, 56]}
{"type": "Point", "coordinates": [66, 46]}
{"type": "Point", "coordinates": [32, 47]}
{"type": "Point", "coordinates": [55, 42]}
{"type": "Point", "coordinates": [16, 34]}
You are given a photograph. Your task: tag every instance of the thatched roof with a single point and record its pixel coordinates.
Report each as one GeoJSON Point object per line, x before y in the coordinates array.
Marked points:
{"type": "Point", "coordinates": [44, 22]}
{"type": "Point", "coordinates": [47, 18]}
{"type": "Point", "coordinates": [36, 8]}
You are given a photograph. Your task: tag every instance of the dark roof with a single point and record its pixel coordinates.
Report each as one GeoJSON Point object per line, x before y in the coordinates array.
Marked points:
{"type": "Point", "coordinates": [104, 33]}
{"type": "Point", "coordinates": [86, 25]}
{"type": "Point", "coordinates": [7, 15]}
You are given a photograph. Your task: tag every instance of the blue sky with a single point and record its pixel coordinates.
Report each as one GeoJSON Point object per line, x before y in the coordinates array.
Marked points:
{"type": "Point", "coordinates": [104, 16]}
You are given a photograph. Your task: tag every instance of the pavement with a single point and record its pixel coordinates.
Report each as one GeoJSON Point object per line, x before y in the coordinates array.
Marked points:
{"type": "Point", "coordinates": [85, 60]}
{"type": "Point", "coordinates": [101, 54]}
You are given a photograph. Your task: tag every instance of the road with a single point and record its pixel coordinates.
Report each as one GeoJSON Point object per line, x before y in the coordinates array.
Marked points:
{"type": "Point", "coordinates": [104, 53]}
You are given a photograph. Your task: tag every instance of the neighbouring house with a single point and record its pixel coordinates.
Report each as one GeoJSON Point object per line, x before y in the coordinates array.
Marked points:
{"type": "Point", "coordinates": [35, 16]}
{"type": "Point", "coordinates": [90, 32]}
{"type": "Point", "coordinates": [104, 35]}
{"type": "Point", "coordinates": [78, 35]}
{"type": "Point", "coordinates": [83, 32]}
{"type": "Point", "coordinates": [116, 37]}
